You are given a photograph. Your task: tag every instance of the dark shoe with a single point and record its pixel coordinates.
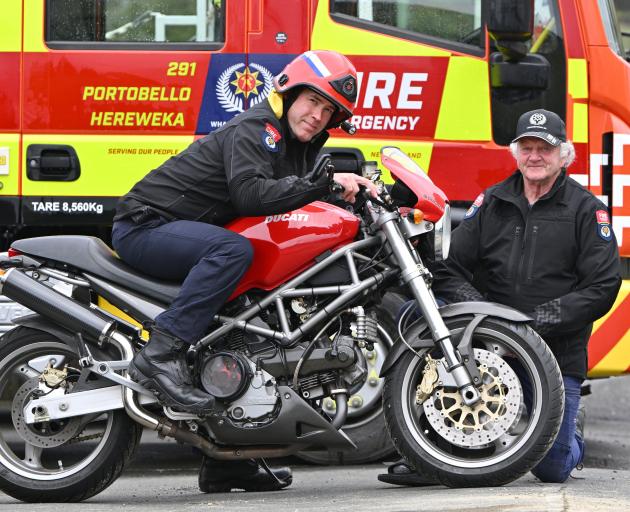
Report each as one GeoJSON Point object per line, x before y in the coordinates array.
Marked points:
{"type": "Point", "coordinates": [161, 367]}
{"type": "Point", "coordinates": [580, 419]}
{"type": "Point", "coordinates": [248, 475]}
{"type": "Point", "coordinates": [401, 474]}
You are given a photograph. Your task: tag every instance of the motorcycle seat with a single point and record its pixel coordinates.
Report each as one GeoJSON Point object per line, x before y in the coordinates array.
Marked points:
{"type": "Point", "coordinates": [93, 256]}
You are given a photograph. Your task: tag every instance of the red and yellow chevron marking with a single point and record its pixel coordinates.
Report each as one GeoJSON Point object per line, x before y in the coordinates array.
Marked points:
{"type": "Point", "coordinates": [609, 346]}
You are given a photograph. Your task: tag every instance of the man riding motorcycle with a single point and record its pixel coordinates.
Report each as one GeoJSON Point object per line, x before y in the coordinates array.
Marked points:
{"type": "Point", "coordinates": [259, 163]}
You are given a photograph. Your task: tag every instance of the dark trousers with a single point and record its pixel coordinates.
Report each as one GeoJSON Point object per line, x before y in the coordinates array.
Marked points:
{"type": "Point", "coordinates": [567, 452]}
{"type": "Point", "coordinates": [210, 261]}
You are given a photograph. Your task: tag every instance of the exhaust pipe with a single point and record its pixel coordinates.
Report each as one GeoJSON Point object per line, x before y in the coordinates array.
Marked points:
{"type": "Point", "coordinates": [53, 305]}
{"type": "Point", "coordinates": [77, 318]}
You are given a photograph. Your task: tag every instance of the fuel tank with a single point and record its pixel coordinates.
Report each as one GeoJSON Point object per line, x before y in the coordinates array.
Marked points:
{"type": "Point", "coordinates": [288, 243]}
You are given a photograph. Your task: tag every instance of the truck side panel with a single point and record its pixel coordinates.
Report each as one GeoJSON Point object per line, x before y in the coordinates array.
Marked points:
{"type": "Point", "coordinates": [10, 103]}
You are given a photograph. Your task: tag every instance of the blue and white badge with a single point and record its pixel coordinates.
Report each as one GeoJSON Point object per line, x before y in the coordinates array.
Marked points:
{"type": "Point", "coordinates": [269, 143]}
{"type": "Point", "coordinates": [270, 138]}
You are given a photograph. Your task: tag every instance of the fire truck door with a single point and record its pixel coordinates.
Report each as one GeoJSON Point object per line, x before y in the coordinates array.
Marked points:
{"type": "Point", "coordinates": [112, 90]}
{"type": "Point", "coordinates": [423, 86]}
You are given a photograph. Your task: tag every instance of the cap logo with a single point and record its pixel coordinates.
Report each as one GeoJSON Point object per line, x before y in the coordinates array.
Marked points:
{"type": "Point", "coordinates": [538, 119]}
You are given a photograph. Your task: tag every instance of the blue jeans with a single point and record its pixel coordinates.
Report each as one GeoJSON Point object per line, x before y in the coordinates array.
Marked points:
{"type": "Point", "coordinates": [568, 449]}
{"type": "Point", "coordinates": [210, 261]}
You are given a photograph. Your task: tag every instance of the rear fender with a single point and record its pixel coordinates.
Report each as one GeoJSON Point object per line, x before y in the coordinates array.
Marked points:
{"type": "Point", "coordinates": [477, 310]}
{"type": "Point", "coordinates": [38, 322]}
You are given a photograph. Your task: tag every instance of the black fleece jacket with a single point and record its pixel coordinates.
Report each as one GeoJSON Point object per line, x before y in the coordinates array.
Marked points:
{"type": "Point", "coordinates": [557, 261]}
{"type": "Point", "coordinates": [253, 165]}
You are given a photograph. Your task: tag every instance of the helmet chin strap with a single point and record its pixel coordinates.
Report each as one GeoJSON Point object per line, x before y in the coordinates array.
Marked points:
{"type": "Point", "coordinates": [276, 101]}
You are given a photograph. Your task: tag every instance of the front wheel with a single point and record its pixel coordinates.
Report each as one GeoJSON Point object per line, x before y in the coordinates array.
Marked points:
{"type": "Point", "coordinates": [58, 460]}
{"type": "Point", "coordinates": [498, 439]}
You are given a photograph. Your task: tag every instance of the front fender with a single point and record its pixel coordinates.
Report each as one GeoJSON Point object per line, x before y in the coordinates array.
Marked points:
{"type": "Point", "coordinates": [449, 311]}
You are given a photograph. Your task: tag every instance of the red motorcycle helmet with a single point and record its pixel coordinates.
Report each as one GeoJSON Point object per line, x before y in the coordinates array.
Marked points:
{"type": "Point", "coordinates": [327, 73]}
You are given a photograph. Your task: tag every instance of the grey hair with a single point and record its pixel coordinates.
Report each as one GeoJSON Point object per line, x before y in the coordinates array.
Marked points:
{"type": "Point", "coordinates": [567, 150]}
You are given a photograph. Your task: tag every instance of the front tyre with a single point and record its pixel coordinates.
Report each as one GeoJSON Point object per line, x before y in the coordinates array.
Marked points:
{"type": "Point", "coordinates": [495, 441]}
{"type": "Point", "coordinates": [60, 460]}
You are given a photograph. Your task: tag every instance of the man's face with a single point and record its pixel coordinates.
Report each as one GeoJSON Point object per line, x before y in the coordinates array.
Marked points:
{"type": "Point", "coordinates": [539, 162]}
{"type": "Point", "coordinates": [309, 115]}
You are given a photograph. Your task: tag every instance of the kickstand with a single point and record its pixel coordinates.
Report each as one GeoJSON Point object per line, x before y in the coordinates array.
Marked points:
{"type": "Point", "coordinates": [263, 464]}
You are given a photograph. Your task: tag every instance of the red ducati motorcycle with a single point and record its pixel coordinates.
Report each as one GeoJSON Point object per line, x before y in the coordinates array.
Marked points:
{"type": "Point", "coordinates": [472, 395]}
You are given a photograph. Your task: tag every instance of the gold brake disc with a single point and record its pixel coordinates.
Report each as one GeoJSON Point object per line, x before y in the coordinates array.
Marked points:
{"type": "Point", "coordinates": [493, 416]}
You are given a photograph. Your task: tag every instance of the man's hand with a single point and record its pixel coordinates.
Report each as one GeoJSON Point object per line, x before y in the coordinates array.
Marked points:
{"type": "Point", "coordinates": [351, 183]}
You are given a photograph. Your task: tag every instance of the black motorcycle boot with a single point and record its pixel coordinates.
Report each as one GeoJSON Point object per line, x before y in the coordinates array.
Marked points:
{"type": "Point", "coordinates": [161, 367]}
{"type": "Point", "coordinates": [248, 475]}
{"type": "Point", "coordinates": [400, 473]}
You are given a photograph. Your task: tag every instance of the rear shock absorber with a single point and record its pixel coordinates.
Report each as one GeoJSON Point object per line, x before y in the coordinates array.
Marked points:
{"type": "Point", "coordinates": [365, 328]}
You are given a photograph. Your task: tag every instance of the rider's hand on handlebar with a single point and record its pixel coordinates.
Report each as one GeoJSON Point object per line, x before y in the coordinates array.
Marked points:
{"type": "Point", "coordinates": [351, 182]}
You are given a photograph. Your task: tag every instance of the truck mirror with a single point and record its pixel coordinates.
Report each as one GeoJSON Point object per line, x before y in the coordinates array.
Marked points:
{"type": "Point", "coordinates": [532, 72]}
{"type": "Point", "coordinates": [511, 25]}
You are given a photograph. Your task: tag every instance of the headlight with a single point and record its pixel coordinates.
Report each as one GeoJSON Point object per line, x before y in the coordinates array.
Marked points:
{"type": "Point", "coordinates": [443, 235]}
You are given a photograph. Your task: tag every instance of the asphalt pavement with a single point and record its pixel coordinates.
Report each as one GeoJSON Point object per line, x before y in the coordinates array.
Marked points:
{"type": "Point", "coordinates": [163, 478]}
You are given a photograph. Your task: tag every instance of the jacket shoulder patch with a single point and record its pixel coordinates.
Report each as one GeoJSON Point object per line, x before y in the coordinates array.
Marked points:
{"type": "Point", "coordinates": [472, 211]}
{"type": "Point", "coordinates": [603, 225]}
{"type": "Point", "coordinates": [270, 137]}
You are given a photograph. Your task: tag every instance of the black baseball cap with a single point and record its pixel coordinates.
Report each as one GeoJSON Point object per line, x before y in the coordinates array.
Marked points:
{"type": "Point", "coordinates": [543, 124]}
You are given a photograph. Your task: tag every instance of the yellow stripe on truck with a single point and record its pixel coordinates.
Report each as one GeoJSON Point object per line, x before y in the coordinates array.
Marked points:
{"type": "Point", "coordinates": [577, 81]}
{"type": "Point", "coordinates": [580, 122]}
{"type": "Point", "coordinates": [34, 26]}
{"type": "Point", "coordinates": [330, 35]}
{"type": "Point", "coordinates": [11, 26]}
{"type": "Point", "coordinates": [615, 362]}
{"type": "Point", "coordinates": [110, 164]}
{"type": "Point", "coordinates": [9, 164]}
{"type": "Point", "coordinates": [465, 109]}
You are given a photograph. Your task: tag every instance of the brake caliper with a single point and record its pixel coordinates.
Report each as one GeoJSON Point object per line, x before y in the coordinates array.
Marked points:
{"type": "Point", "coordinates": [53, 377]}
{"type": "Point", "coordinates": [429, 380]}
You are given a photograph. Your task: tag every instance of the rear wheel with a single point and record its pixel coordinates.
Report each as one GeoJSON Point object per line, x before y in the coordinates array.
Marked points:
{"type": "Point", "coordinates": [365, 424]}
{"type": "Point", "coordinates": [494, 441]}
{"type": "Point", "coordinates": [58, 460]}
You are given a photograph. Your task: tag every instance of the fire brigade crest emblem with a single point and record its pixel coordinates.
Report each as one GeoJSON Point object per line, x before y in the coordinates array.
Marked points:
{"type": "Point", "coordinates": [603, 225]}
{"type": "Point", "coordinates": [241, 86]}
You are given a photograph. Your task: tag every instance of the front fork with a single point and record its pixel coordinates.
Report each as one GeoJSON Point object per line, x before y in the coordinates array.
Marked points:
{"type": "Point", "coordinates": [413, 275]}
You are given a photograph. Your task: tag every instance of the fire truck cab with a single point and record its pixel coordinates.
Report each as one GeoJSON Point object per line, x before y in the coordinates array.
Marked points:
{"type": "Point", "coordinates": [96, 93]}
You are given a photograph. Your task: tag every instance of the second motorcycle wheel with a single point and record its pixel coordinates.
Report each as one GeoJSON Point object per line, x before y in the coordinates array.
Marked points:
{"type": "Point", "coordinates": [365, 424]}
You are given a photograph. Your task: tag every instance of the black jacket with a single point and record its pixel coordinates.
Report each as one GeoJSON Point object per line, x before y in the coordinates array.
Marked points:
{"type": "Point", "coordinates": [250, 166]}
{"type": "Point", "coordinates": [557, 261]}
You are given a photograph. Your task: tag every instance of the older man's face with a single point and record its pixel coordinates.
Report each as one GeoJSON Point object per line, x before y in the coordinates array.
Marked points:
{"type": "Point", "coordinates": [539, 162]}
